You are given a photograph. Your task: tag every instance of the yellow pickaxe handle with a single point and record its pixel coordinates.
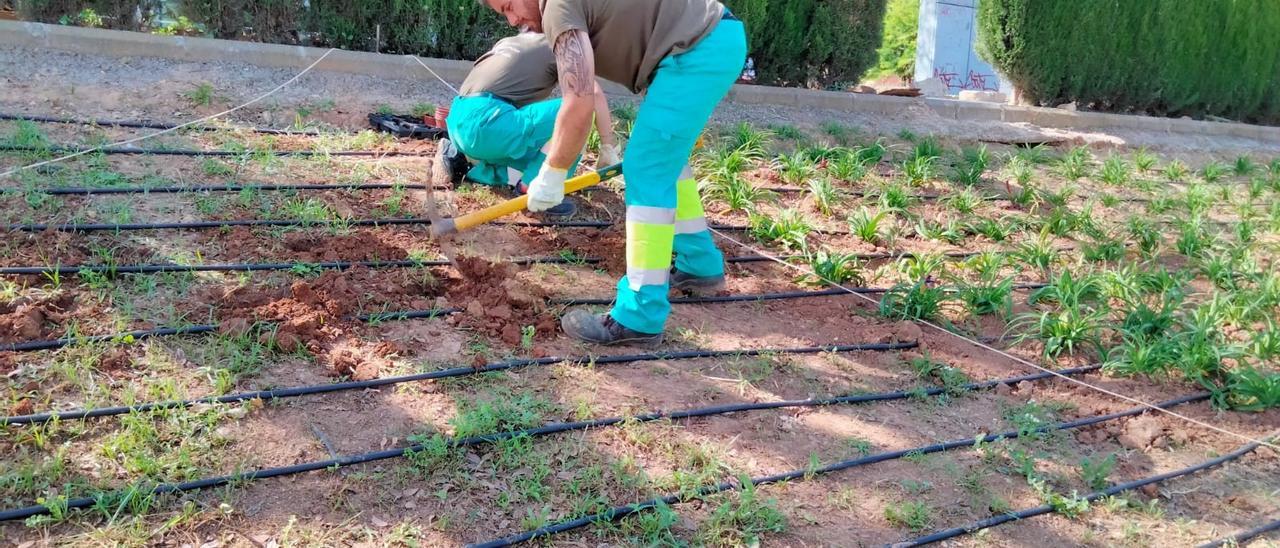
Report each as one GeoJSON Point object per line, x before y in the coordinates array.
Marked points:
{"type": "Point", "coordinates": [513, 205]}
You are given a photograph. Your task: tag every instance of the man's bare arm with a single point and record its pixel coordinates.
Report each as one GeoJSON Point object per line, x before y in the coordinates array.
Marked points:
{"type": "Point", "coordinates": [575, 63]}
{"type": "Point", "coordinates": [604, 118]}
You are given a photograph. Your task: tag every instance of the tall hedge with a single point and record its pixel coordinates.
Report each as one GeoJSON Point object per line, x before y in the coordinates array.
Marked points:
{"type": "Point", "coordinates": [112, 14]}
{"type": "Point", "coordinates": [815, 43]}
{"type": "Point", "coordinates": [1165, 57]}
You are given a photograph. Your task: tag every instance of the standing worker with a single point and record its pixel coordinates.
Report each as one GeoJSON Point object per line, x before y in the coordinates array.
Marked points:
{"type": "Point", "coordinates": [502, 118]}
{"type": "Point", "coordinates": [683, 55]}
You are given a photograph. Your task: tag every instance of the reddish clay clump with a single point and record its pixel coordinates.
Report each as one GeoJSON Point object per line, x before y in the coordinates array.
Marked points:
{"type": "Point", "coordinates": [495, 303]}
{"type": "Point", "coordinates": [346, 362]}
{"type": "Point", "coordinates": [114, 361]}
{"type": "Point", "coordinates": [26, 321]}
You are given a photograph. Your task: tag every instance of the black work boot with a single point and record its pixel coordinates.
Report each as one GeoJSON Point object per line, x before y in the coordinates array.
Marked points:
{"type": "Point", "coordinates": [603, 329]}
{"type": "Point", "coordinates": [700, 286]}
{"type": "Point", "coordinates": [453, 161]}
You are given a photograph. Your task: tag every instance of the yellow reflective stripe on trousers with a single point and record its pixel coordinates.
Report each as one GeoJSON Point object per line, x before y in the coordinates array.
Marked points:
{"type": "Point", "coordinates": [688, 203]}
{"type": "Point", "coordinates": [650, 233]}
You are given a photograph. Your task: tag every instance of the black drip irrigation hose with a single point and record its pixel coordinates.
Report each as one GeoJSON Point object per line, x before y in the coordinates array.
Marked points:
{"type": "Point", "coordinates": [294, 392]}
{"type": "Point", "coordinates": [1048, 509]}
{"type": "Point", "coordinates": [768, 296]}
{"type": "Point", "coordinates": [554, 428]}
{"type": "Point", "coordinates": [258, 267]}
{"type": "Point", "coordinates": [743, 228]}
{"type": "Point", "coordinates": [120, 227]}
{"type": "Point", "coordinates": [149, 125]}
{"type": "Point", "coordinates": [619, 512]}
{"type": "Point", "coordinates": [141, 334]}
{"type": "Point", "coordinates": [1243, 536]}
{"type": "Point", "coordinates": [89, 191]}
{"type": "Point", "coordinates": [191, 152]}
{"type": "Point", "coordinates": [415, 314]}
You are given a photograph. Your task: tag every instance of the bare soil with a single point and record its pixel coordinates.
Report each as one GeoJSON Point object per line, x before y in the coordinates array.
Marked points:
{"type": "Point", "coordinates": [293, 328]}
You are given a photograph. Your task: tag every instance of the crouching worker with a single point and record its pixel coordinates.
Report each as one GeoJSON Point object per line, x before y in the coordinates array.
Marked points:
{"type": "Point", "coordinates": [503, 118]}
{"type": "Point", "coordinates": [684, 55]}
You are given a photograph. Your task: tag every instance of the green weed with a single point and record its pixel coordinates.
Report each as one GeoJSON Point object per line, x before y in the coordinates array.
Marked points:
{"type": "Point", "coordinates": [1176, 171]}
{"type": "Point", "coordinates": [737, 193]}
{"type": "Point", "coordinates": [1144, 160]}
{"type": "Point", "coordinates": [742, 522]}
{"type": "Point", "coordinates": [794, 169]}
{"type": "Point", "coordinates": [1115, 171]}
{"type": "Point", "coordinates": [789, 229]}
{"type": "Point", "coordinates": [927, 147]}
{"type": "Point", "coordinates": [896, 197]}
{"type": "Point", "coordinates": [998, 230]}
{"type": "Point", "coordinates": [919, 169]}
{"type": "Point", "coordinates": [834, 267]}
{"type": "Point", "coordinates": [752, 142]}
{"type": "Point", "coordinates": [873, 153]}
{"type": "Point", "coordinates": [916, 516]}
{"type": "Point", "coordinates": [867, 226]}
{"type": "Point", "coordinates": [969, 173]}
{"type": "Point", "coordinates": [1034, 155]}
{"type": "Point", "coordinates": [964, 202]}
{"type": "Point", "coordinates": [201, 95]}
{"type": "Point", "coordinates": [787, 132]}
{"type": "Point", "coordinates": [1067, 330]}
{"type": "Point", "coordinates": [825, 195]}
{"type": "Point", "coordinates": [848, 168]}
{"type": "Point", "coordinates": [1038, 253]}
{"type": "Point", "coordinates": [1094, 471]}
{"type": "Point", "coordinates": [1252, 389]}
{"type": "Point", "coordinates": [1213, 172]}
{"type": "Point", "coordinates": [1244, 166]}
{"type": "Point", "coordinates": [1075, 163]}
{"type": "Point", "coordinates": [989, 298]}
{"type": "Point", "coordinates": [918, 301]}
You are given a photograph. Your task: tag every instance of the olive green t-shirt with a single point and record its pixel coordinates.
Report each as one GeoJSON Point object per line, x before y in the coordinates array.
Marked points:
{"type": "Point", "coordinates": [631, 37]}
{"type": "Point", "coordinates": [520, 69]}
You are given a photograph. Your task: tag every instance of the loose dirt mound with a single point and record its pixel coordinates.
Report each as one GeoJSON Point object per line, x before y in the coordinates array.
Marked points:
{"type": "Point", "coordinates": [319, 314]}
{"type": "Point", "coordinates": [496, 303]}
{"type": "Point", "coordinates": [244, 244]}
{"type": "Point", "coordinates": [29, 320]}
{"type": "Point", "coordinates": [358, 246]}
{"type": "Point", "coordinates": [8, 362]}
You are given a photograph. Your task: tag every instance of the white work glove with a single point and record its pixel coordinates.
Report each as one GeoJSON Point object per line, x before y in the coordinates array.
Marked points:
{"type": "Point", "coordinates": [547, 189]}
{"type": "Point", "coordinates": [609, 155]}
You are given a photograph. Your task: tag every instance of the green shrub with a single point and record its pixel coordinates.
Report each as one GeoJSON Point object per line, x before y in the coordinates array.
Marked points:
{"type": "Point", "coordinates": [432, 28]}
{"type": "Point", "coordinates": [112, 14]}
{"type": "Point", "coordinates": [816, 43]}
{"type": "Point", "coordinates": [1214, 57]}
{"type": "Point", "coordinates": [897, 51]}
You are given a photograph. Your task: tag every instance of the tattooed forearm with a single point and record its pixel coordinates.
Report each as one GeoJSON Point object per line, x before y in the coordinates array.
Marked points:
{"type": "Point", "coordinates": [574, 64]}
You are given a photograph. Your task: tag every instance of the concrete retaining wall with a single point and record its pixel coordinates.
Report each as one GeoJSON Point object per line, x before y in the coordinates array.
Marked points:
{"type": "Point", "coordinates": [134, 44]}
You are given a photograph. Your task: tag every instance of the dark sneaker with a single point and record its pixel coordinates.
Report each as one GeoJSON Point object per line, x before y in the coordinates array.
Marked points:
{"type": "Point", "coordinates": [603, 329]}
{"type": "Point", "coordinates": [702, 286]}
{"type": "Point", "coordinates": [565, 210]}
{"type": "Point", "coordinates": [454, 161]}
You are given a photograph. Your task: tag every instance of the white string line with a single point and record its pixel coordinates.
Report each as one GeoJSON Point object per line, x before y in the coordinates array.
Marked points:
{"type": "Point", "coordinates": [433, 73]}
{"type": "Point", "coordinates": [175, 128]}
{"type": "Point", "coordinates": [1011, 356]}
